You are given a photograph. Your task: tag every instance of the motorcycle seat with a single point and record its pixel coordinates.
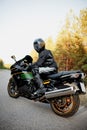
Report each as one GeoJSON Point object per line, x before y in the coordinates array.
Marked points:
{"type": "Point", "coordinates": [62, 73]}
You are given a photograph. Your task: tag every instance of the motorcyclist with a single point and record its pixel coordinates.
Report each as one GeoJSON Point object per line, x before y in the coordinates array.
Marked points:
{"type": "Point", "coordinates": [45, 64]}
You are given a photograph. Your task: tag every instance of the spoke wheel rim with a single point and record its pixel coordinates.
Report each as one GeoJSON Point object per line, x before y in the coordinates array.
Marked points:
{"type": "Point", "coordinates": [64, 105]}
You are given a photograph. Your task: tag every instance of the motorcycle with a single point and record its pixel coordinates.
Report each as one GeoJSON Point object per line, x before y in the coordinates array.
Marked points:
{"type": "Point", "coordinates": [63, 89]}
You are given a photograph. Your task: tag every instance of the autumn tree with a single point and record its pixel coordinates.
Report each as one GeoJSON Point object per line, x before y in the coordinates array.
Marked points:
{"type": "Point", "coordinates": [50, 44]}
{"type": "Point", "coordinates": [70, 51]}
{"type": "Point", "coordinates": [83, 22]}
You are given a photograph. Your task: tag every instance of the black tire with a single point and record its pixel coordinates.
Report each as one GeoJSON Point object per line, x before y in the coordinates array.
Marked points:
{"type": "Point", "coordinates": [12, 89]}
{"type": "Point", "coordinates": [67, 108]}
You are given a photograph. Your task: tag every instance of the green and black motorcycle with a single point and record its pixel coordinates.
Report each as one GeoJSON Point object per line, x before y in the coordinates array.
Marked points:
{"type": "Point", "coordinates": [62, 89]}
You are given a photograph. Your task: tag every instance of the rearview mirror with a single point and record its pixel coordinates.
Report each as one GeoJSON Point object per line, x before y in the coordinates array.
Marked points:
{"type": "Point", "coordinates": [13, 57]}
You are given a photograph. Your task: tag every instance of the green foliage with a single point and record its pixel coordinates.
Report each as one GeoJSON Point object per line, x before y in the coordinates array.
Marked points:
{"type": "Point", "coordinates": [1, 64]}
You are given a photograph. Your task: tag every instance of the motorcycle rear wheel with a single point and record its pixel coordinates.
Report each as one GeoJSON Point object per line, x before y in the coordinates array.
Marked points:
{"type": "Point", "coordinates": [66, 106]}
{"type": "Point", "coordinates": [12, 89]}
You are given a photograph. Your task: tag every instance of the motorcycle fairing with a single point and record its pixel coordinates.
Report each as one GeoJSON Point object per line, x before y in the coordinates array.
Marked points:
{"type": "Point", "coordinates": [26, 75]}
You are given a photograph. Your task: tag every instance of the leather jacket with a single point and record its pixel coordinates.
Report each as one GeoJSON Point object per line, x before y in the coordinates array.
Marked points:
{"type": "Point", "coordinates": [45, 59]}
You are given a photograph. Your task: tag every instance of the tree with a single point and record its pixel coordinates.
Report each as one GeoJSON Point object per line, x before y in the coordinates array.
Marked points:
{"type": "Point", "coordinates": [70, 51]}
{"type": "Point", "coordinates": [50, 43]}
{"type": "Point", "coordinates": [1, 64]}
{"type": "Point", "coordinates": [34, 55]}
{"type": "Point", "coordinates": [83, 22]}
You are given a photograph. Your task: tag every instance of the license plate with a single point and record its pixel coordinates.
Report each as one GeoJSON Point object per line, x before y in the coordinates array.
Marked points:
{"type": "Point", "coordinates": [83, 87]}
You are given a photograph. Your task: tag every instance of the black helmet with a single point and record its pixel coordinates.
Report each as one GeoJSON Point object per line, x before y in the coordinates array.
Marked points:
{"type": "Point", "coordinates": [39, 44]}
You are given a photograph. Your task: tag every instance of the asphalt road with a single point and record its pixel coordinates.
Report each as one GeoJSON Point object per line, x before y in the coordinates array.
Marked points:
{"type": "Point", "coordinates": [23, 114]}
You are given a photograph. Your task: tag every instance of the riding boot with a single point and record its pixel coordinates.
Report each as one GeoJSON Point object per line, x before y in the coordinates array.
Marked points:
{"type": "Point", "coordinates": [39, 83]}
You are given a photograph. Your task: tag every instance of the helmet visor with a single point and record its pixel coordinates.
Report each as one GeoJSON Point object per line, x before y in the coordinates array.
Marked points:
{"type": "Point", "coordinates": [36, 47]}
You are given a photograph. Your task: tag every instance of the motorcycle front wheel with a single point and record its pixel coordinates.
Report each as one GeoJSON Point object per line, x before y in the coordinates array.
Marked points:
{"type": "Point", "coordinates": [65, 106]}
{"type": "Point", "coordinates": [12, 89]}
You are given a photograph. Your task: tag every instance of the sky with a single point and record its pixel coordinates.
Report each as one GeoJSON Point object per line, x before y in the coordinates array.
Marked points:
{"type": "Point", "coordinates": [23, 21]}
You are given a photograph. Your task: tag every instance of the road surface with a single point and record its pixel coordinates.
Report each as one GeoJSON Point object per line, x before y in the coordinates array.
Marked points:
{"type": "Point", "coordinates": [23, 114]}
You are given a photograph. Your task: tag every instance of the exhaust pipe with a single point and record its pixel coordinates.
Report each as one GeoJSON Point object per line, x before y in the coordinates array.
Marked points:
{"type": "Point", "coordinates": [60, 92]}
